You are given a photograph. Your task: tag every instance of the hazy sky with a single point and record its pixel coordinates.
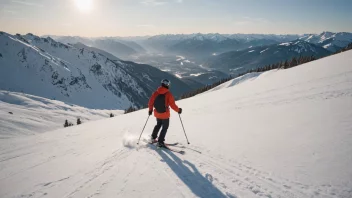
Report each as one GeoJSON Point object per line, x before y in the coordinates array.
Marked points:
{"type": "Point", "coordinates": [150, 17]}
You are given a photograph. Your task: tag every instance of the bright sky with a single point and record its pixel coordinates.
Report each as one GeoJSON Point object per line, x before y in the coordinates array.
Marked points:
{"type": "Point", "coordinates": [94, 18]}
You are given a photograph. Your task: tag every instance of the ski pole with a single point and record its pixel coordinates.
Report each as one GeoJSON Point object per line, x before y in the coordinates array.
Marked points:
{"type": "Point", "coordinates": [143, 129]}
{"type": "Point", "coordinates": [183, 128]}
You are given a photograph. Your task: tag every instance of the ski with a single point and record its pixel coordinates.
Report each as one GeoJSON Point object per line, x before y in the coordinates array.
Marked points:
{"type": "Point", "coordinates": [167, 144]}
{"type": "Point", "coordinates": [173, 150]}
{"type": "Point", "coordinates": [168, 148]}
{"type": "Point", "coordinates": [171, 144]}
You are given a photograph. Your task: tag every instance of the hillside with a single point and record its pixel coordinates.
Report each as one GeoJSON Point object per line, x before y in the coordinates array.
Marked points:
{"type": "Point", "coordinates": [283, 133]}
{"type": "Point", "coordinates": [237, 62]}
{"type": "Point", "coordinates": [23, 114]}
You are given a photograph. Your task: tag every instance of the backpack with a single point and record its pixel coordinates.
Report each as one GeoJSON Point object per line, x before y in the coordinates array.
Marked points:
{"type": "Point", "coordinates": [159, 103]}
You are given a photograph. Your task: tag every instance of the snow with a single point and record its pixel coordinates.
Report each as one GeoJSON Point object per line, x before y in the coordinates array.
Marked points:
{"type": "Point", "coordinates": [198, 74]}
{"type": "Point", "coordinates": [327, 45]}
{"type": "Point", "coordinates": [264, 50]}
{"type": "Point", "coordinates": [235, 69]}
{"type": "Point", "coordinates": [282, 133]}
{"type": "Point", "coordinates": [241, 79]}
{"type": "Point", "coordinates": [33, 114]}
{"type": "Point", "coordinates": [310, 37]}
{"type": "Point", "coordinates": [180, 58]}
{"type": "Point", "coordinates": [178, 75]}
{"type": "Point", "coordinates": [286, 44]}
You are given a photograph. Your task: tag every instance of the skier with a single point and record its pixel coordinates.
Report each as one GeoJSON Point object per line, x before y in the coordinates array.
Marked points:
{"type": "Point", "coordinates": [161, 100]}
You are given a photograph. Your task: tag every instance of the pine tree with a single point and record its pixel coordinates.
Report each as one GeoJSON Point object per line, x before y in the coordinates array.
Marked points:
{"type": "Point", "coordinates": [79, 121]}
{"type": "Point", "coordinates": [293, 62]}
{"type": "Point", "coordinates": [286, 65]}
{"type": "Point", "coordinates": [66, 123]}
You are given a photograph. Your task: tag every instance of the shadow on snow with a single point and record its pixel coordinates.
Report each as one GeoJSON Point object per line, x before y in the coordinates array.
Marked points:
{"type": "Point", "coordinates": [190, 176]}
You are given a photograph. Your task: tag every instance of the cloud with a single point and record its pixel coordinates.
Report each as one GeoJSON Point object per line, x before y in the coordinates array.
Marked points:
{"type": "Point", "coordinates": [27, 3]}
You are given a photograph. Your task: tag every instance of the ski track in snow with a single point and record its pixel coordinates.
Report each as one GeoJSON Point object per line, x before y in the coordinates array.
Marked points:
{"type": "Point", "coordinates": [194, 174]}
{"type": "Point", "coordinates": [227, 178]}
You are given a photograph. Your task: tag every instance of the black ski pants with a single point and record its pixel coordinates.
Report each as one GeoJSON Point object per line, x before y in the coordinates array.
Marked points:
{"type": "Point", "coordinates": [161, 123]}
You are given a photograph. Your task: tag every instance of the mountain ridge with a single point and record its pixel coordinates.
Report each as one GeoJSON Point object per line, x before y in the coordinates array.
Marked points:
{"type": "Point", "coordinates": [241, 61]}
{"type": "Point", "coordinates": [51, 69]}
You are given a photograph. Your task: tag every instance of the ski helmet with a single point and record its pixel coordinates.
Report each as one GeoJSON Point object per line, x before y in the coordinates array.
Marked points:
{"type": "Point", "coordinates": [165, 82]}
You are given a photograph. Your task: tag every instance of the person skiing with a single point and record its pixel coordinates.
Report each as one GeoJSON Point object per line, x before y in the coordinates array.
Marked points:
{"type": "Point", "coordinates": [161, 101]}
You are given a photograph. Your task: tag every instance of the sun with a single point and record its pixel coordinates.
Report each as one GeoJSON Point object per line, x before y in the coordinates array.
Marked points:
{"type": "Point", "coordinates": [84, 5]}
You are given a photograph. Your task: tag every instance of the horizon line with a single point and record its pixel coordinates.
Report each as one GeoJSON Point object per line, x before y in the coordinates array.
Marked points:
{"type": "Point", "coordinates": [224, 34]}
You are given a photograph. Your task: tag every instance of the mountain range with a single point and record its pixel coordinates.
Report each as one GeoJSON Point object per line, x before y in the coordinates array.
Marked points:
{"type": "Point", "coordinates": [116, 46]}
{"type": "Point", "coordinates": [236, 62]}
{"type": "Point", "coordinates": [205, 50]}
{"type": "Point", "coordinates": [78, 75]}
{"type": "Point", "coordinates": [95, 73]}
{"type": "Point", "coordinates": [204, 45]}
{"type": "Point", "coordinates": [329, 40]}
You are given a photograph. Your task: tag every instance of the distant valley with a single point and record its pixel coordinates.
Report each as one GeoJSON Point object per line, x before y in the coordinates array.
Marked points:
{"type": "Point", "coordinates": [206, 58]}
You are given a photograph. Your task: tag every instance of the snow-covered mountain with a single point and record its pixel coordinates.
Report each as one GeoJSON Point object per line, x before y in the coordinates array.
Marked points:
{"type": "Point", "coordinates": [329, 40]}
{"type": "Point", "coordinates": [219, 43]}
{"type": "Point", "coordinates": [201, 45]}
{"type": "Point", "coordinates": [96, 50]}
{"type": "Point", "coordinates": [116, 46]}
{"type": "Point", "coordinates": [50, 69]}
{"type": "Point", "coordinates": [204, 45]}
{"type": "Point", "coordinates": [241, 61]}
{"type": "Point", "coordinates": [221, 37]}
{"type": "Point", "coordinates": [282, 133]}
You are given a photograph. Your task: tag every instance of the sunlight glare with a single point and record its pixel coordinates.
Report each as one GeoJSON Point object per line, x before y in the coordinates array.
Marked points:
{"type": "Point", "coordinates": [84, 5]}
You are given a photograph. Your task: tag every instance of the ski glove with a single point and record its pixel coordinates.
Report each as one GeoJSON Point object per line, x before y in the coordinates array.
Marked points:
{"type": "Point", "coordinates": [180, 111]}
{"type": "Point", "coordinates": [150, 112]}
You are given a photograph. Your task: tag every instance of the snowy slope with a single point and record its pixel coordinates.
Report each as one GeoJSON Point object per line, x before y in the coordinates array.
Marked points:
{"type": "Point", "coordinates": [286, 133]}
{"type": "Point", "coordinates": [32, 114]}
{"type": "Point", "coordinates": [50, 69]}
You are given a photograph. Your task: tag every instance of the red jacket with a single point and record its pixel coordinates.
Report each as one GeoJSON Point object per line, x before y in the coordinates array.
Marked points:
{"type": "Point", "coordinates": [169, 101]}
